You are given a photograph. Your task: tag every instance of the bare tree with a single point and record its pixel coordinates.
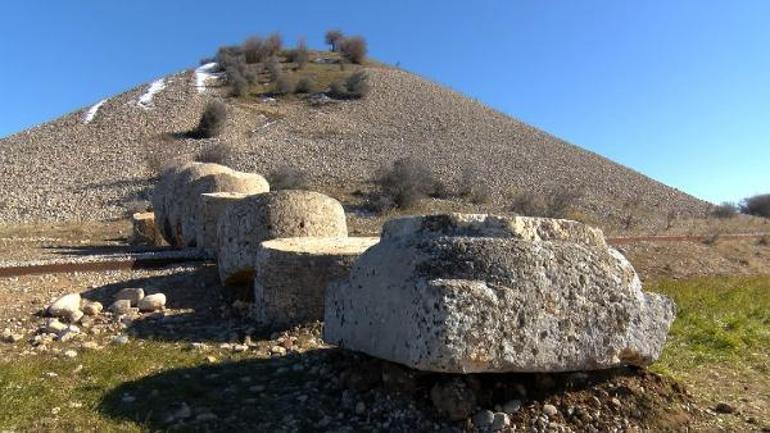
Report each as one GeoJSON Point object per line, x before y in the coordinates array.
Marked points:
{"type": "Point", "coordinates": [333, 37]}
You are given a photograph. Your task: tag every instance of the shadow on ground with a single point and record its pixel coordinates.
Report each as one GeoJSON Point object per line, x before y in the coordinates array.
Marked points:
{"type": "Point", "coordinates": [331, 390]}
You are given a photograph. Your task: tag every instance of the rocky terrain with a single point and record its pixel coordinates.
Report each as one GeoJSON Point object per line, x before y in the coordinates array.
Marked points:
{"type": "Point", "coordinates": [88, 164]}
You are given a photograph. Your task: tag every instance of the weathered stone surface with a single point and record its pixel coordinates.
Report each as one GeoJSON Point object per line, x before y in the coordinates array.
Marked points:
{"type": "Point", "coordinates": [131, 294]}
{"type": "Point", "coordinates": [477, 293]}
{"type": "Point", "coordinates": [121, 306]}
{"type": "Point", "coordinates": [291, 275]}
{"type": "Point", "coordinates": [153, 302]}
{"type": "Point", "coordinates": [212, 206]}
{"type": "Point", "coordinates": [279, 214]}
{"type": "Point", "coordinates": [161, 197]}
{"type": "Point", "coordinates": [65, 305]}
{"type": "Point", "coordinates": [191, 201]}
{"type": "Point", "coordinates": [145, 232]}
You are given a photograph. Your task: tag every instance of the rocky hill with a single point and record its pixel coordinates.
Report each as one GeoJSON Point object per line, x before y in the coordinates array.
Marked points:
{"type": "Point", "coordinates": [86, 165]}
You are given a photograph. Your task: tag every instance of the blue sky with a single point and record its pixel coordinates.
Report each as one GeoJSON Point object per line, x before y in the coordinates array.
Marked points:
{"type": "Point", "coordinates": [677, 90]}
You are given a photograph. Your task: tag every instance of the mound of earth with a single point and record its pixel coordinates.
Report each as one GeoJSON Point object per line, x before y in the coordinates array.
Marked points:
{"type": "Point", "coordinates": [87, 164]}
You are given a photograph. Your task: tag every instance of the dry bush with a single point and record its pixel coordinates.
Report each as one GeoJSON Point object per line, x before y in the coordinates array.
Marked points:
{"type": "Point", "coordinates": [404, 183]}
{"type": "Point", "coordinates": [333, 38]}
{"type": "Point", "coordinates": [255, 49]}
{"type": "Point", "coordinates": [284, 85]}
{"type": "Point", "coordinates": [288, 178]}
{"type": "Point", "coordinates": [712, 238]}
{"type": "Point", "coordinates": [212, 121]}
{"type": "Point", "coordinates": [353, 49]}
{"type": "Point", "coordinates": [554, 204]}
{"type": "Point", "coordinates": [304, 85]}
{"type": "Point", "coordinates": [725, 210]}
{"type": "Point", "coordinates": [473, 188]}
{"type": "Point", "coordinates": [274, 44]}
{"type": "Point", "coordinates": [671, 217]}
{"type": "Point", "coordinates": [219, 153]}
{"type": "Point", "coordinates": [354, 86]}
{"type": "Point", "coordinates": [764, 240]}
{"type": "Point", "coordinates": [299, 55]}
{"type": "Point", "coordinates": [273, 67]}
{"type": "Point", "coordinates": [758, 205]}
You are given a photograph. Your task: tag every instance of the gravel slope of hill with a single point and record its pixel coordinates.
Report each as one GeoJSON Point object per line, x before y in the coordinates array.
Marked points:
{"type": "Point", "coordinates": [70, 169]}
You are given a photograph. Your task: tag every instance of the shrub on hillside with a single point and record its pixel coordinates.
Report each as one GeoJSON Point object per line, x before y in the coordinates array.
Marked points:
{"type": "Point", "coordinates": [287, 177]}
{"type": "Point", "coordinates": [355, 85]}
{"type": "Point", "coordinates": [304, 85]}
{"type": "Point", "coordinates": [274, 44]}
{"type": "Point", "coordinates": [333, 38]}
{"type": "Point", "coordinates": [212, 121]}
{"type": "Point", "coordinates": [554, 204]}
{"type": "Point", "coordinates": [257, 50]}
{"type": "Point", "coordinates": [725, 210]}
{"type": "Point", "coordinates": [473, 188]}
{"type": "Point", "coordinates": [758, 205]}
{"type": "Point", "coordinates": [273, 67]}
{"type": "Point", "coordinates": [299, 55]}
{"type": "Point", "coordinates": [284, 85]}
{"type": "Point", "coordinates": [220, 153]}
{"type": "Point", "coordinates": [405, 182]}
{"type": "Point", "coordinates": [353, 49]}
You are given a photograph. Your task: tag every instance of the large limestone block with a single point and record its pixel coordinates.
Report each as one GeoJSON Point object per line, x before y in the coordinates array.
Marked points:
{"type": "Point", "coordinates": [279, 214]}
{"type": "Point", "coordinates": [212, 206]}
{"type": "Point", "coordinates": [160, 197]}
{"type": "Point", "coordinates": [477, 293]}
{"type": "Point", "coordinates": [291, 275]}
{"type": "Point", "coordinates": [191, 202]}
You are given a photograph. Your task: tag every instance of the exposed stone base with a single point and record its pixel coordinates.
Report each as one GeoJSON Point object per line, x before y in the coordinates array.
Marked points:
{"type": "Point", "coordinates": [145, 232]}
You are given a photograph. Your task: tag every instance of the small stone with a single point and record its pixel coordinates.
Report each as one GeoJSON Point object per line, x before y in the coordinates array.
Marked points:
{"type": "Point", "coordinates": [615, 402]}
{"type": "Point", "coordinates": [483, 419]}
{"type": "Point", "coordinates": [73, 317]}
{"type": "Point", "coordinates": [55, 326]}
{"type": "Point", "coordinates": [550, 410]}
{"type": "Point", "coordinates": [121, 306]}
{"type": "Point", "coordinates": [453, 398]}
{"type": "Point", "coordinates": [725, 408]}
{"type": "Point", "coordinates": [211, 359]}
{"type": "Point", "coordinates": [360, 408]}
{"type": "Point", "coordinates": [183, 411]}
{"type": "Point", "coordinates": [70, 353]}
{"type": "Point", "coordinates": [65, 305]}
{"type": "Point", "coordinates": [9, 337]}
{"type": "Point", "coordinates": [511, 407]}
{"type": "Point", "coordinates": [240, 348]}
{"type": "Point", "coordinates": [120, 339]}
{"type": "Point", "coordinates": [278, 350]}
{"type": "Point", "coordinates": [152, 302]}
{"type": "Point", "coordinates": [128, 398]}
{"type": "Point", "coordinates": [69, 333]}
{"type": "Point", "coordinates": [91, 345]}
{"type": "Point", "coordinates": [93, 308]}
{"type": "Point", "coordinates": [130, 294]}
{"type": "Point", "coordinates": [500, 421]}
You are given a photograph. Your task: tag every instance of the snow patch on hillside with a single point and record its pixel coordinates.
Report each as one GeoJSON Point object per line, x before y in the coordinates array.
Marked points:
{"type": "Point", "coordinates": [91, 113]}
{"type": "Point", "coordinates": [204, 73]}
{"type": "Point", "coordinates": [145, 101]}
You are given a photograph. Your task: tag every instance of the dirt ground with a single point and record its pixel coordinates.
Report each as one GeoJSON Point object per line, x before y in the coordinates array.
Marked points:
{"type": "Point", "coordinates": [304, 383]}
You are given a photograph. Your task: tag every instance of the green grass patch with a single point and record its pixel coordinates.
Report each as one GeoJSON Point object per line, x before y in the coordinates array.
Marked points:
{"type": "Point", "coordinates": [719, 320]}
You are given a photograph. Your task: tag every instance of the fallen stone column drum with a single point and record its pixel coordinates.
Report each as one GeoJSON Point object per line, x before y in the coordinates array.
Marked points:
{"type": "Point", "coordinates": [279, 214]}
{"type": "Point", "coordinates": [212, 206]}
{"type": "Point", "coordinates": [291, 276]}
{"type": "Point", "coordinates": [480, 293]}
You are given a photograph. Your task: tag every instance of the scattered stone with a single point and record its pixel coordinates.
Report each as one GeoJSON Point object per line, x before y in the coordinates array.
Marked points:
{"type": "Point", "coordinates": [54, 326]}
{"type": "Point", "coordinates": [120, 339]}
{"type": "Point", "coordinates": [133, 295]}
{"type": "Point", "coordinates": [511, 407]}
{"type": "Point", "coordinates": [484, 419]}
{"type": "Point", "coordinates": [453, 398]}
{"type": "Point", "coordinates": [69, 333]}
{"type": "Point", "coordinates": [724, 408]}
{"type": "Point", "coordinates": [120, 307]}
{"type": "Point", "coordinates": [278, 350]}
{"type": "Point", "coordinates": [70, 353]}
{"type": "Point", "coordinates": [500, 421]}
{"type": "Point", "coordinates": [550, 410]}
{"type": "Point", "coordinates": [93, 308]}
{"type": "Point", "coordinates": [65, 305]}
{"type": "Point", "coordinates": [74, 317]}
{"type": "Point", "coordinates": [128, 398]}
{"type": "Point", "coordinates": [9, 337]}
{"type": "Point", "coordinates": [615, 402]}
{"type": "Point", "coordinates": [438, 292]}
{"type": "Point", "coordinates": [240, 348]}
{"type": "Point", "coordinates": [152, 302]}
{"type": "Point", "coordinates": [91, 345]}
